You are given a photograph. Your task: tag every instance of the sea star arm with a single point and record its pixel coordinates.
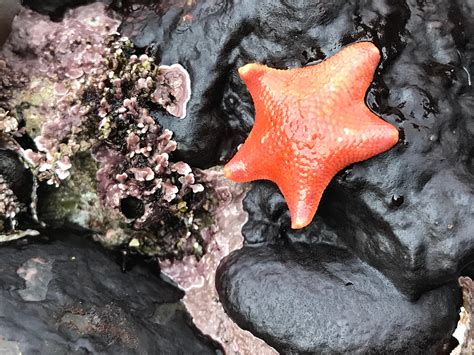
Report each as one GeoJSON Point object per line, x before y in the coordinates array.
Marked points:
{"type": "Point", "coordinates": [355, 68]}
{"type": "Point", "coordinates": [371, 136]}
{"type": "Point", "coordinates": [303, 193]}
{"type": "Point", "coordinates": [250, 161]}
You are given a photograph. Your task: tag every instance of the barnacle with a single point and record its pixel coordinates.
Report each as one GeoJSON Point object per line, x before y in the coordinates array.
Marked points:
{"type": "Point", "coordinates": [9, 205]}
{"type": "Point", "coordinates": [8, 123]}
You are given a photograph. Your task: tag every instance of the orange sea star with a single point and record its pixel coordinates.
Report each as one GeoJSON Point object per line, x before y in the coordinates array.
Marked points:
{"type": "Point", "coordinates": [310, 123]}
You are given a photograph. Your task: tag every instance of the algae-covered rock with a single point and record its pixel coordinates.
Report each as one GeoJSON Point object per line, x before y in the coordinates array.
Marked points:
{"type": "Point", "coordinates": [91, 97]}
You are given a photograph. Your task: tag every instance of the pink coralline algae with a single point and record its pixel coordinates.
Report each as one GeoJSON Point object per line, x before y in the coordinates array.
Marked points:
{"type": "Point", "coordinates": [10, 80]}
{"type": "Point", "coordinates": [8, 123]}
{"type": "Point", "coordinates": [197, 276]}
{"type": "Point", "coordinates": [61, 50]}
{"type": "Point", "coordinates": [58, 58]}
{"type": "Point", "coordinates": [173, 90]}
{"type": "Point", "coordinates": [69, 56]}
{"type": "Point", "coordinates": [88, 92]}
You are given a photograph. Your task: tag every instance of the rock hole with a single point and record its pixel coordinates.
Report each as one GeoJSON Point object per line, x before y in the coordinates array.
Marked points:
{"type": "Point", "coordinates": [132, 207]}
{"type": "Point", "coordinates": [397, 200]}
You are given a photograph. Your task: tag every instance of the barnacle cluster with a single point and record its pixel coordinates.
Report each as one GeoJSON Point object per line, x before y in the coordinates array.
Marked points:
{"type": "Point", "coordinates": [160, 197]}
{"type": "Point", "coordinates": [9, 205]}
{"type": "Point", "coordinates": [8, 123]}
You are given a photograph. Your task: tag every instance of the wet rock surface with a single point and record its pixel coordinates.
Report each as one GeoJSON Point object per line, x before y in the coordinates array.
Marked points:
{"type": "Point", "coordinates": [8, 10]}
{"type": "Point", "coordinates": [323, 300]}
{"type": "Point", "coordinates": [55, 8]}
{"type": "Point", "coordinates": [407, 213]}
{"type": "Point", "coordinates": [65, 295]}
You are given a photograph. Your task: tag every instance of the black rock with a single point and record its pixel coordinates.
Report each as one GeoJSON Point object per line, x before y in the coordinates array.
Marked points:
{"type": "Point", "coordinates": [67, 296]}
{"type": "Point", "coordinates": [55, 8]}
{"type": "Point", "coordinates": [410, 212]}
{"type": "Point", "coordinates": [324, 300]}
{"type": "Point", "coordinates": [8, 10]}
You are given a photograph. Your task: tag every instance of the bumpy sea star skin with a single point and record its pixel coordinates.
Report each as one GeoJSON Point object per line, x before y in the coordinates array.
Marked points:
{"type": "Point", "coordinates": [310, 123]}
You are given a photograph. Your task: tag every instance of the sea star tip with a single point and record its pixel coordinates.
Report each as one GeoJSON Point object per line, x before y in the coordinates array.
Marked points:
{"type": "Point", "coordinates": [236, 170]}
{"type": "Point", "coordinates": [300, 221]}
{"type": "Point", "coordinates": [227, 172]}
{"type": "Point", "coordinates": [252, 71]}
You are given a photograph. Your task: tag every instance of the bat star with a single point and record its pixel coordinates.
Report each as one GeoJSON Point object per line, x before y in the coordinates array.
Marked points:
{"type": "Point", "coordinates": [310, 123]}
